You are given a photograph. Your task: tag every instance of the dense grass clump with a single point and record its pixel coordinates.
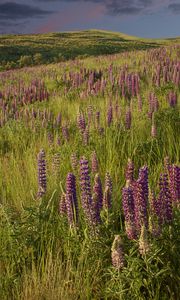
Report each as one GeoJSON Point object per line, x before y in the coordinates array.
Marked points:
{"type": "Point", "coordinates": [90, 178]}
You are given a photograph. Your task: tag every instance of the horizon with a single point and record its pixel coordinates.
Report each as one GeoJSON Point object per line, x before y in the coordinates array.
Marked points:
{"type": "Point", "coordinates": [140, 18]}
{"type": "Point", "coordinates": [89, 30]}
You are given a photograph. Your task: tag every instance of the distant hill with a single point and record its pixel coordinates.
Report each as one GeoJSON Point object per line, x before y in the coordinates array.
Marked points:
{"type": "Point", "coordinates": [23, 50]}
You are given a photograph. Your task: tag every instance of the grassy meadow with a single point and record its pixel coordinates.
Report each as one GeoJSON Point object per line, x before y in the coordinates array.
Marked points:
{"type": "Point", "coordinates": [17, 51]}
{"type": "Point", "coordinates": [89, 172]}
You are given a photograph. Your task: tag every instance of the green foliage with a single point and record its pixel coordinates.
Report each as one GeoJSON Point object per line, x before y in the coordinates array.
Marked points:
{"type": "Point", "coordinates": [57, 47]}
{"type": "Point", "coordinates": [41, 257]}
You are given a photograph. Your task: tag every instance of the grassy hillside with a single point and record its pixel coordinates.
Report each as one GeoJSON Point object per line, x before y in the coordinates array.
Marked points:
{"type": "Point", "coordinates": [89, 177]}
{"type": "Point", "coordinates": [56, 47]}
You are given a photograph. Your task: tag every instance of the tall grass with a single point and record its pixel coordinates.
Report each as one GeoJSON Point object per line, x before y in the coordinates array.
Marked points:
{"type": "Point", "coordinates": [41, 257]}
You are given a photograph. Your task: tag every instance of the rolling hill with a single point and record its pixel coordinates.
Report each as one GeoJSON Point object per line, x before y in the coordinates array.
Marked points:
{"type": "Point", "coordinates": [23, 50]}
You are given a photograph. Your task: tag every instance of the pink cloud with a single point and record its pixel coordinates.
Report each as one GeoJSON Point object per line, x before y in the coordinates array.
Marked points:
{"type": "Point", "coordinates": [77, 13]}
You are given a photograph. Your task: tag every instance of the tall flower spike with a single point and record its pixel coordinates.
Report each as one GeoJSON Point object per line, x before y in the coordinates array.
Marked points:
{"type": "Point", "coordinates": [128, 118]}
{"type": "Point", "coordinates": [143, 241]}
{"type": "Point", "coordinates": [62, 205]}
{"type": "Point", "coordinates": [129, 214]}
{"type": "Point", "coordinates": [86, 196]}
{"type": "Point", "coordinates": [56, 164]}
{"type": "Point", "coordinates": [174, 178]}
{"type": "Point", "coordinates": [165, 200]}
{"type": "Point", "coordinates": [117, 253]}
{"type": "Point", "coordinates": [94, 162]}
{"type": "Point", "coordinates": [140, 194]}
{"type": "Point", "coordinates": [107, 199]}
{"type": "Point", "coordinates": [42, 180]}
{"type": "Point", "coordinates": [129, 174]}
{"type": "Point", "coordinates": [71, 199]}
{"type": "Point", "coordinates": [74, 161]}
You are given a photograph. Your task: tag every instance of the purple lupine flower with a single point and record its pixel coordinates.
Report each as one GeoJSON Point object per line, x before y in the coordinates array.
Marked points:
{"type": "Point", "coordinates": [128, 118]}
{"type": "Point", "coordinates": [140, 204]}
{"type": "Point", "coordinates": [94, 162]}
{"type": "Point", "coordinates": [117, 253]}
{"type": "Point", "coordinates": [107, 198]}
{"type": "Point", "coordinates": [174, 181]}
{"type": "Point", "coordinates": [86, 196]}
{"type": "Point", "coordinates": [71, 199]}
{"type": "Point", "coordinates": [97, 190]}
{"type": "Point", "coordinates": [81, 122]}
{"type": "Point", "coordinates": [164, 199]}
{"type": "Point", "coordinates": [155, 211]}
{"type": "Point", "coordinates": [129, 213]}
{"type": "Point", "coordinates": [74, 161]}
{"type": "Point", "coordinates": [172, 99]}
{"type": "Point", "coordinates": [42, 180]}
{"type": "Point", "coordinates": [143, 178]}
{"type": "Point", "coordinates": [62, 205]}
{"type": "Point", "coordinates": [86, 136]}
{"type": "Point", "coordinates": [65, 132]}
{"type": "Point", "coordinates": [109, 115]}
{"type": "Point", "coordinates": [56, 164]}
{"type": "Point", "coordinates": [129, 172]}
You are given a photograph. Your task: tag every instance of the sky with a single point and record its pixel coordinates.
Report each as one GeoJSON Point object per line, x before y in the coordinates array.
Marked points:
{"type": "Point", "coordinates": [143, 18]}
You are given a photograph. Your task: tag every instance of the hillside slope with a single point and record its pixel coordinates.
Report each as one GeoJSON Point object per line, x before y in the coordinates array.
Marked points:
{"type": "Point", "coordinates": [55, 47]}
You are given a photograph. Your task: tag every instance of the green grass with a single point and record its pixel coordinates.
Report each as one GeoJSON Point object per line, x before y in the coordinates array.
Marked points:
{"type": "Point", "coordinates": [55, 47]}
{"type": "Point", "coordinates": [41, 258]}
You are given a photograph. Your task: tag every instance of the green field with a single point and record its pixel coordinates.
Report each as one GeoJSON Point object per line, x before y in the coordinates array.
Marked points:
{"type": "Point", "coordinates": [112, 119]}
{"type": "Point", "coordinates": [56, 47]}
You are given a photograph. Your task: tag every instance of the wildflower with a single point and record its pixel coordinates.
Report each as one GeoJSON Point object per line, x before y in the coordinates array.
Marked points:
{"type": "Point", "coordinates": [42, 180]}
{"type": "Point", "coordinates": [117, 253]}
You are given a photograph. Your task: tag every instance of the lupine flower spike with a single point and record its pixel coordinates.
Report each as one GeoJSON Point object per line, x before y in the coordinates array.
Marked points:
{"type": "Point", "coordinates": [117, 253]}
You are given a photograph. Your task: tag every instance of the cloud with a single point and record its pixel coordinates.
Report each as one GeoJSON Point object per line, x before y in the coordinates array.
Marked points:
{"type": "Point", "coordinates": [175, 8]}
{"type": "Point", "coordinates": [121, 7]}
{"type": "Point", "coordinates": [16, 11]}
{"type": "Point", "coordinates": [66, 17]}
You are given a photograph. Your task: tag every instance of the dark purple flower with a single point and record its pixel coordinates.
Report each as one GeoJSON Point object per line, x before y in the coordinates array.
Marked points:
{"type": "Point", "coordinates": [71, 199]}
{"type": "Point", "coordinates": [129, 213]}
{"type": "Point", "coordinates": [164, 199]}
{"type": "Point", "coordinates": [42, 180]}
{"type": "Point", "coordinates": [140, 204]}
{"type": "Point", "coordinates": [174, 178]}
{"type": "Point", "coordinates": [81, 122]}
{"type": "Point", "coordinates": [86, 195]}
